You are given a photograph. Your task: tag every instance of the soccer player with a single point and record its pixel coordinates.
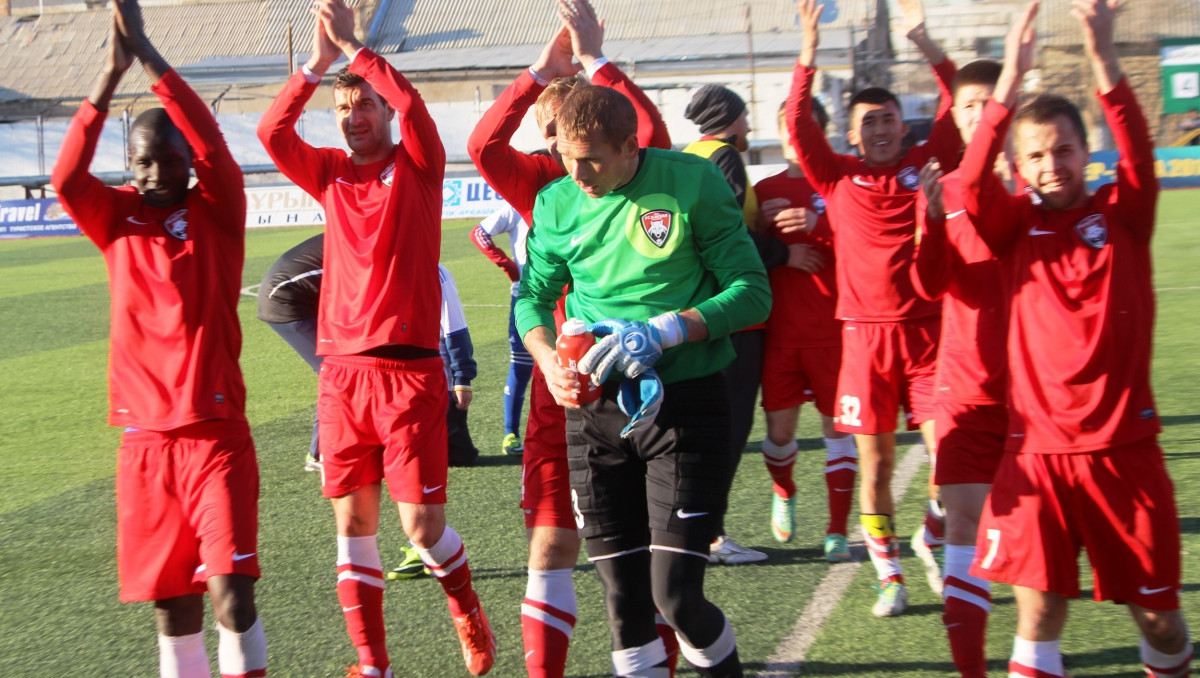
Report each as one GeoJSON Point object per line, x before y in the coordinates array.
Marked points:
{"type": "Point", "coordinates": [520, 364]}
{"type": "Point", "coordinates": [889, 334]}
{"type": "Point", "coordinates": [953, 264]}
{"type": "Point", "coordinates": [287, 302]}
{"type": "Point", "coordinates": [187, 475]}
{"type": "Point", "coordinates": [658, 259]}
{"type": "Point", "coordinates": [1083, 467]}
{"type": "Point", "coordinates": [381, 393]}
{"type": "Point", "coordinates": [803, 347]}
{"type": "Point", "coordinates": [549, 608]}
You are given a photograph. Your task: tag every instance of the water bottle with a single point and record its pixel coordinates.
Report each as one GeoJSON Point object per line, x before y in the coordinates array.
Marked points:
{"type": "Point", "coordinates": [572, 345]}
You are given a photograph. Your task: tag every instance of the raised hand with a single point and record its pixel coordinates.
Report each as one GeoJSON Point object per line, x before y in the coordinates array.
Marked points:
{"type": "Point", "coordinates": [587, 31]}
{"type": "Point", "coordinates": [338, 19]}
{"type": "Point", "coordinates": [809, 13]}
{"type": "Point", "coordinates": [555, 59]}
{"type": "Point", "coordinates": [119, 56]}
{"type": "Point", "coordinates": [127, 15]}
{"type": "Point", "coordinates": [1098, 18]}
{"type": "Point", "coordinates": [912, 16]}
{"type": "Point", "coordinates": [324, 52]}
{"type": "Point", "coordinates": [931, 184]}
{"type": "Point", "coordinates": [1018, 56]}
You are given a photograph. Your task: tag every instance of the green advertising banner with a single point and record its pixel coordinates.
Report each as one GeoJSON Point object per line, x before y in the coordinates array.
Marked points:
{"type": "Point", "coordinates": [1181, 74]}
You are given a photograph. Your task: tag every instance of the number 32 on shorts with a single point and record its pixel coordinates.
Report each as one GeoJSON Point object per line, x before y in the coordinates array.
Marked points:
{"type": "Point", "coordinates": [851, 408]}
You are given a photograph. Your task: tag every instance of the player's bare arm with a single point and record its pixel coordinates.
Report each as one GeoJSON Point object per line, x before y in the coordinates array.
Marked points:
{"type": "Point", "coordinates": [324, 52]}
{"type": "Point", "coordinates": [1018, 57]}
{"type": "Point", "coordinates": [587, 31]}
{"type": "Point", "coordinates": [1097, 17]}
{"type": "Point", "coordinates": [809, 13]}
{"type": "Point", "coordinates": [338, 19]}
{"type": "Point", "coordinates": [133, 31]}
{"type": "Point", "coordinates": [913, 19]}
{"type": "Point", "coordinates": [118, 61]}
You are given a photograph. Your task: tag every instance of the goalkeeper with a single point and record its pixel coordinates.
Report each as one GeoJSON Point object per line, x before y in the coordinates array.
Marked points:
{"type": "Point", "coordinates": [661, 266]}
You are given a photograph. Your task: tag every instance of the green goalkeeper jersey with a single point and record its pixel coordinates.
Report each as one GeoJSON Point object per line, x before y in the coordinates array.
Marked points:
{"type": "Point", "coordinates": [669, 240]}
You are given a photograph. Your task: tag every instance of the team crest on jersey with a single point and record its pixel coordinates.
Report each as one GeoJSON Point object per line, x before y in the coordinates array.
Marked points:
{"type": "Point", "coordinates": [818, 203]}
{"type": "Point", "coordinates": [386, 175]}
{"type": "Point", "coordinates": [656, 224]}
{"type": "Point", "coordinates": [1093, 230]}
{"type": "Point", "coordinates": [909, 177]}
{"type": "Point", "coordinates": [176, 224]}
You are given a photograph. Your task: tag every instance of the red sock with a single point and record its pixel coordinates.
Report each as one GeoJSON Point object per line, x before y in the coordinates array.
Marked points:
{"type": "Point", "coordinates": [968, 602]}
{"type": "Point", "coordinates": [779, 460]}
{"type": "Point", "coordinates": [547, 621]}
{"type": "Point", "coordinates": [841, 470]}
{"type": "Point", "coordinates": [448, 562]}
{"type": "Point", "coordinates": [670, 642]}
{"type": "Point", "coordinates": [360, 591]}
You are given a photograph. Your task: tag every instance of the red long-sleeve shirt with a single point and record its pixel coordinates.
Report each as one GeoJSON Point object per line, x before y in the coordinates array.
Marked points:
{"type": "Point", "coordinates": [871, 208]}
{"type": "Point", "coordinates": [174, 273]}
{"type": "Point", "coordinates": [954, 264]}
{"type": "Point", "coordinates": [804, 304]}
{"type": "Point", "coordinates": [1080, 285]}
{"type": "Point", "coordinates": [383, 220]}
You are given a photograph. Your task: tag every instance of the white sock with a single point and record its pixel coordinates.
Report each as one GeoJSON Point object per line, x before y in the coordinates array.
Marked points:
{"type": "Point", "coordinates": [841, 447]}
{"type": "Point", "coordinates": [183, 656]}
{"type": "Point", "coordinates": [362, 551]}
{"type": "Point", "coordinates": [242, 655]}
{"type": "Point", "coordinates": [1162, 665]}
{"type": "Point", "coordinates": [647, 661]}
{"type": "Point", "coordinates": [714, 654]}
{"type": "Point", "coordinates": [960, 581]}
{"type": "Point", "coordinates": [554, 590]}
{"type": "Point", "coordinates": [1044, 656]}
{"type": "Point", "coordinates": [446, 555]}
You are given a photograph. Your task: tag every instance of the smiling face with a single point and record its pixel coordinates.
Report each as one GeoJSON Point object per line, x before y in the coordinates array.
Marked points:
{"type": "Point", "coordinates": [1051, 158]}
{"type": "Point", "coordinates": [161, 163]}
{"type": "Point", "coordinates": [596, 164]}
{"type": "Point", "coordinates": [877, 131]}
{"type": "Point", "coordinates": [365, 121]}
{"type": "Point", "coordinates": [968, 106]}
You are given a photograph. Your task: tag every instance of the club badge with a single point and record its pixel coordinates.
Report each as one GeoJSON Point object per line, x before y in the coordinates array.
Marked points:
{"type": "Point", "coordinates": [656, 224]}
{"type": "Point", "coordinates": [176, 224]}
{"type": "Point", "coordinates": [818, 203]}
{"type": "Point", "coordinates": [1093, 230]}
{"type": "Point", "coordinates": [386, 175]}
{"type": "Point", "coordinates": [909, 177]}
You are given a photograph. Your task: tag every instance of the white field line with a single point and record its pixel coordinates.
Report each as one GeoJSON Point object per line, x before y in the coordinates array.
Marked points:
{"type": "Point", "coordinates": [788, 659]}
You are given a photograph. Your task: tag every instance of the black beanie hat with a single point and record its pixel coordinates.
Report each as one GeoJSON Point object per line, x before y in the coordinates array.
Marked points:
{"type": "Point", "coordinates": [714, 107]}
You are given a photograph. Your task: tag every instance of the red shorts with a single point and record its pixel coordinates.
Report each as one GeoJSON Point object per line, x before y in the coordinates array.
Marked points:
{"type": "Point", "coordinates": [970, 442]}
{"type": "Point", "coordinates": [793, 376]}
{"type": "Point", "coordinates": [545, 480]}
{"type": "Point", "coordinates": [187, 508]}
{"type": "Point", "coordinates": [886, 366]}
{"type": "Point", "coordinates": [1119, 504]}
{"type": "Point", "coordinates": [383, 419]}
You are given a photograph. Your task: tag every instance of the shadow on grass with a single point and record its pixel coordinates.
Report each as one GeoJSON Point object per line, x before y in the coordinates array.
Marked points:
{"type": "Point", "coordinates": [1180, 419]}
{"type": "Point", "coordinates": [496, 460]}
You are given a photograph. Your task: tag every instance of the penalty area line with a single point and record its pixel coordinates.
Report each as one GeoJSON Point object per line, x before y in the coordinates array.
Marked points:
{"type": "Point", "coordinates": [788, 659]}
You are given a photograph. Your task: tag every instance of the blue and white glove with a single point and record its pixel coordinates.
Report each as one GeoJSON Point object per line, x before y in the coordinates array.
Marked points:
{"type": "Point", "coordinates": [631, 347]}
{"type": "Point", "coordinates": [640, 398]}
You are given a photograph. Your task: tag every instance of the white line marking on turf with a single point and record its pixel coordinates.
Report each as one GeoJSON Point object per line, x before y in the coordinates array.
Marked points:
{"type": "Point", "coordinates": [1175, 289]}
{"type": "Point", "coordinates": [788, 659]}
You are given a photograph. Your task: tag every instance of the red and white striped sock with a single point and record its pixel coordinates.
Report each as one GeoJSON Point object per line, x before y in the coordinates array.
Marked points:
{"type": "Point", "coordinates": [779, 460]}
{"type": "Point", "coordinates": [360, 591]}
{"type": "Point", "coordinates": [547, 622]}
{"type": "Point", "coordinates": [1162, 665]}
{"type": "Point", "coordinates": [968, 603]}
{"type": "Point", "coordinates": [447, 559]}
{"type": "Point", "coordinates": [183, 656]}
{"type": "Point", "coordinates": [1035, 659]}
{"type": "Point", "coordinates": [242, 655]}
{"type": "Point", "coordinates": [879, 534]}
{"type": "Point", "coordinates": [841, 471]}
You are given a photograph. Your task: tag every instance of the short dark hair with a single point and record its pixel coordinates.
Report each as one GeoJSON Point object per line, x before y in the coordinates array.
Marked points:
{"type": "Point", "coordinates": [1044, 108]}
{"type": "Point", "coordinates": [345, 79]}
{"type": "Point", "coordinates": [595, 109]}
{"type": "Point", "coordinates": [157, 122]}
{"type": "Point", "coordinates": [983, 72]}
{"type": "Point", "coordinates": [818, 111]}
{"type": "Point", "coordinates": [876, 96]}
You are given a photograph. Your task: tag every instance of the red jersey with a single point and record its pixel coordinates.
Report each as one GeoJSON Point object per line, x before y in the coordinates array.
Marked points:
{"type": "Point", "coordinates": [955, 265]}
{"type": "Point", "coordinates": [872, 208]}
{"type": "Point", "coordinates": [174, 273]}
{"type": "Point", "coordinates": [383, 229]}
{"type": "Point", "coordinates": [1080, 286]}
{"type": "Point", "coordinates": [518, 176]}
{"type": "Point", "coordinates": [803, 311]}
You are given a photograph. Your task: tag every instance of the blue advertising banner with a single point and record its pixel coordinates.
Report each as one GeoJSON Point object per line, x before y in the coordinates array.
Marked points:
{"type": "Point", "coordinates": [36, 217]}
{"type": "Point", "coordinates": [1175, 167]}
